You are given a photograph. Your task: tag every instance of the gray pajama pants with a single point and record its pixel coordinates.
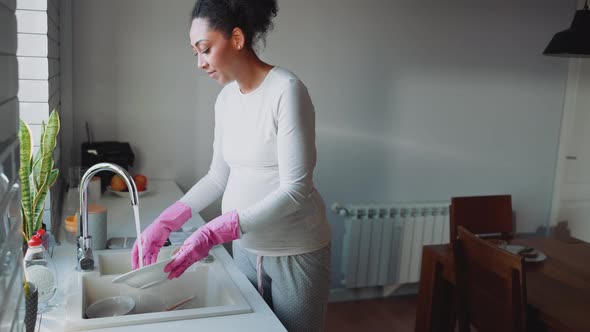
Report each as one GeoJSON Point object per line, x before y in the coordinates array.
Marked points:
{"type": "Point", "coordinates": [295, 287]}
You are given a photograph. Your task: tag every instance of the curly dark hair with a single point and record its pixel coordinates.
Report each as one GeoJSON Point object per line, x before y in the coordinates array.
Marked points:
{"type": "Point", "coordinates": [254, 17]}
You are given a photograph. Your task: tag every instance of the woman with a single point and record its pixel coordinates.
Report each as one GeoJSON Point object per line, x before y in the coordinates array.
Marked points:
{"type": "Point", "coordinates": [263, 160]}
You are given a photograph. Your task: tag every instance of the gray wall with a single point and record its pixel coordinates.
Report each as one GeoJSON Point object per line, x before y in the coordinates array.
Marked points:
{"type": "Point", "coordinates": [133, 80]}
{"type": "Point", "coordinates": [415, 100]}
{"type": "Point", "coordinates": [11, 275]}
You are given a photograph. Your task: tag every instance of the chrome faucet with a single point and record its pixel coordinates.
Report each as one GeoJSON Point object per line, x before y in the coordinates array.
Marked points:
{"type": "Point", "coordinates": [85, 258]}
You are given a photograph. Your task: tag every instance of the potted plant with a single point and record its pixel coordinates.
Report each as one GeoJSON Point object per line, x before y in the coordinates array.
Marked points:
{"type": "Point", "coordinates": [31, 305]}
{"type": "Point", "coordinates": [36, 174]}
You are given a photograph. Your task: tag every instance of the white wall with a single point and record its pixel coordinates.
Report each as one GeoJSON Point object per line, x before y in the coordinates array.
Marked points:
{"type": "Point", "coordinates": [415, 100]}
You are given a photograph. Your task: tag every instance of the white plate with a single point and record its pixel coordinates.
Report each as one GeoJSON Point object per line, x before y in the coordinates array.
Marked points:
{"type": "Point", "coordinates": [111, 306]}
{"type": "Point", "coordinates": [145, 277]}
{"type": "Point", "coordinates": [126, 193]}
{"type": "Point", "coordinates": [516, 248]}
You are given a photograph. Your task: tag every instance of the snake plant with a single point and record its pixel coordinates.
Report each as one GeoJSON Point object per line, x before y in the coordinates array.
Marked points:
{"type": "Point", "coordinates": [36, 174]}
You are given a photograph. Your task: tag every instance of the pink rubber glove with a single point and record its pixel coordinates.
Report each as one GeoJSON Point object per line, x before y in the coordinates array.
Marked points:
{"type": "Point", "coordinates": [155, 235]}
{"type": "Point", "coordinates": [222, 229]}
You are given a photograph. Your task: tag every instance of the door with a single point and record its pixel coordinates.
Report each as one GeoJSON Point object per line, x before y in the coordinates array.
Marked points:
{"type": "Point", "coordinates": [572, 199]}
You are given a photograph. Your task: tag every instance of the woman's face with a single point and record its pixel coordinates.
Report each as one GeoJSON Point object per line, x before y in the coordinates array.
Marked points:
{"type": "Point", "coordinates": [215, 53]}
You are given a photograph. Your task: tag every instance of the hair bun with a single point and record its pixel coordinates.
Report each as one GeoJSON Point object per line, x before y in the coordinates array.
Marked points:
{"type": "Point", "coordinates": [254, 17]}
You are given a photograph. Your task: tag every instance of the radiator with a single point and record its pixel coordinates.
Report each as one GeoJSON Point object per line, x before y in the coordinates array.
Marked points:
{"type": "Point", "coordinates": [383, 243]}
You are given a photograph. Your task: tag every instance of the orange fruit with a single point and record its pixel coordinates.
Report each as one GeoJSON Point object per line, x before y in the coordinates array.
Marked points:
{"type": "Point", "coordinates": [118, 184]}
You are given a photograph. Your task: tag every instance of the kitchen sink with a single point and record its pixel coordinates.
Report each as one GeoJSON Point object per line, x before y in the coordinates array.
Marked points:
{"type": "Point", "coordinates": [119, 261]}
{"type": "Point", "coordinates": [214, 292]}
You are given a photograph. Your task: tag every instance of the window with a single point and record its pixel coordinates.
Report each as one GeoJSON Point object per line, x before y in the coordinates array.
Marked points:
{"type": "Point", "coordinates": [38, 69]}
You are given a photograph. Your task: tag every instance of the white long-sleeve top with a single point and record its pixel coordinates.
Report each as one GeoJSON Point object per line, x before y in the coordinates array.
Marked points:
{"type": "Point", "coordinates": [264, 155]}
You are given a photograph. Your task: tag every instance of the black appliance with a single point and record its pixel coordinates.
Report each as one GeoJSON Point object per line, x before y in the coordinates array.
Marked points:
{"type": "Point", "coordinates": [119, 153]}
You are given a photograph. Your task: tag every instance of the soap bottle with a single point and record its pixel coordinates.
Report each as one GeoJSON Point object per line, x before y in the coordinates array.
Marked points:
{"type": "Point", "coordinates": [40, 270]}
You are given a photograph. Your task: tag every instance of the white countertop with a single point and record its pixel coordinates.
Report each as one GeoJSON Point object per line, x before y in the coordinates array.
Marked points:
{"type": "Point", "coordinates": [121, 223]}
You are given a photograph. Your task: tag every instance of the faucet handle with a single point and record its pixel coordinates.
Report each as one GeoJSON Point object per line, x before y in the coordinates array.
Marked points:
{"type": "Point", "coordinates": [85, 257]}
{"type": "Point", "coordinates": [86, 263]}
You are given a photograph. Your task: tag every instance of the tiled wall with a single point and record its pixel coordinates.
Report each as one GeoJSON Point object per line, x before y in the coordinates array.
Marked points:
{"type": "Point", "coordinates": [11, 276]}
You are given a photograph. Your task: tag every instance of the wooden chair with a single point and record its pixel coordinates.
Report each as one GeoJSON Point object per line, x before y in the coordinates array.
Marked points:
{"type": "Point", "coordinates": [490, 285]}
{"type": "Point", "coordinates": [482, 215]}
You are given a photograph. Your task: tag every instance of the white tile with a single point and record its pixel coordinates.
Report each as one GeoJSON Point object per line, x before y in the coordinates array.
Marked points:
{"type": "Point", "coordinates": [31, 21]}
{"type": "Point", "coordinates": [32, 45]}
{"type": "Point", "coordinates": [36, 132]}
{"type": "Point", "coordinates": [32, 4]}
{"type": "Point", "coordinates": [34, 113]}
{"type": "Point", "coordinates": [7, 31]}
{"type": "Point", "coordinates": [33, 91]}
{"type": "Point", "coordinates": [31, 68]}
{"type": "Point", "coordinates": [9, 77]}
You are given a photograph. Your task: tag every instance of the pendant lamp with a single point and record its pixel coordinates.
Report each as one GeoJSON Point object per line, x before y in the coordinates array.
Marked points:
{"type": "Point", "coordinates": [575, 41]}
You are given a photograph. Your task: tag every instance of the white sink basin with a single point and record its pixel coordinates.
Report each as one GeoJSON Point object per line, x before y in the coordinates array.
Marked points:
{"type": "Point", "coordinates": [215, 293]}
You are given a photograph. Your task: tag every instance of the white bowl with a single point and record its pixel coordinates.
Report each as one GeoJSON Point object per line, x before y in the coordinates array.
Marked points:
{"type": "Point", "coordinates": [515, 249]}
{"type": "Point", "coordinates": [111, 306]}
{"type": "Point", "coordinates": [145, 277]}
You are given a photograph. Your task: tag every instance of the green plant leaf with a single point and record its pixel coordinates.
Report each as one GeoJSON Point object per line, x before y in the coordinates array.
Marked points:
{"type": "Point", "coordinates": [53, 177]}
{"type": "Point", "coordinates": [26, 287]}
{"type": "Point", "coordinates": [24, 172]}
{"type": "Point", "coordinates": [39, 202]}
{"type": "Point", "coordinates": [37, 174]}
{"type": "Point", "coordinates": [48, 143]}
{"type": "Point", "coordinates": [39, 210]}
{"type": "Point", "coordinates": [25, 217]}
{"type": "Point", "coordinates": [37, 160]}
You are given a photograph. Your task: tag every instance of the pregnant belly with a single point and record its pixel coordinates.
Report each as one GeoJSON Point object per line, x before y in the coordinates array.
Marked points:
{"type": "Point", "coordinates": [246, 186]}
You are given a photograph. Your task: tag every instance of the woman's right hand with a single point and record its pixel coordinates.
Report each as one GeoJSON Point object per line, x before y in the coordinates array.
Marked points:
{"type": "Point", "coordinates": [152, 239]}
{"type": "Point", "coordinates": [155, 235]}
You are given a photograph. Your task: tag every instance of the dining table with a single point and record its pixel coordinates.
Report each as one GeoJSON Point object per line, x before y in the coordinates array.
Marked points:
{"type": "Point", "coordinates": [558, 288]}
